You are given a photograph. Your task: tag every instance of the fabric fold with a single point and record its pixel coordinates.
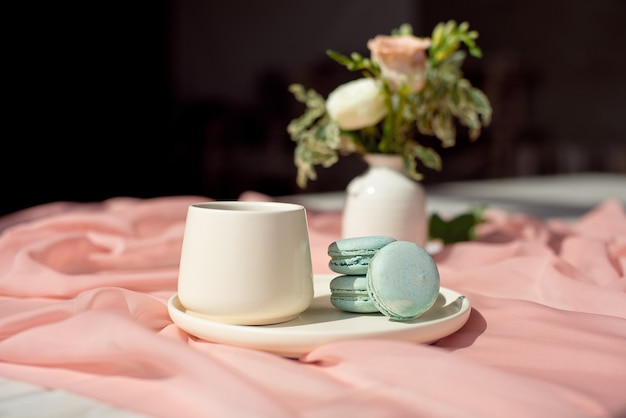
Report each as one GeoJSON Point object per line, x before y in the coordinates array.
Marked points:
{"type": "Point", "coordinates": [84, 287]}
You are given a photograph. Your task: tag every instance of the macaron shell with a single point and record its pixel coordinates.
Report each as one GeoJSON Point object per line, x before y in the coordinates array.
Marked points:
{"type": "Point", "coordinates": [349, 293]}
{"type": "Point", "coordinates": [354, 304]}
{"type": "Point", "coordinates": [358, 245]}
{"type": "Point", "coordinates": [353, 255]}
{"type": "Point", "coordinates": [403, 280]}
{"type": "Point", "coordinates": [349, 284]}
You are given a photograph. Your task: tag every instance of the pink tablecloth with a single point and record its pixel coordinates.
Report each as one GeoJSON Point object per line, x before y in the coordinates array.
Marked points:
{"type": "Point", "coordinates": [83, 290]}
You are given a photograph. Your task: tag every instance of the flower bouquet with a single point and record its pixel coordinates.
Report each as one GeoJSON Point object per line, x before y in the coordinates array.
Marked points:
{"type": "Point", "coordinates": [409, 86]}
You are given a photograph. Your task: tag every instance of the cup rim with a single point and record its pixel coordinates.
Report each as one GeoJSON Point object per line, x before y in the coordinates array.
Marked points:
{"type": "Point", "coordinates": [240, 206]}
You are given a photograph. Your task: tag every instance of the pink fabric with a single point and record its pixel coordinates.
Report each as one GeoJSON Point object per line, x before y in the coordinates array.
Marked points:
{"type": "Point", "coordinates": [82, 308]}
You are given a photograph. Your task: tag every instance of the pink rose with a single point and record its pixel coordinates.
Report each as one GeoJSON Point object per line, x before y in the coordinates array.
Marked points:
{"type": "Point", "coordinates": [402, 59]}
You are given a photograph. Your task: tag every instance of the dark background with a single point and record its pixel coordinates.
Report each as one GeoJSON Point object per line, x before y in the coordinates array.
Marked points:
{"type": "Point", "coordinates": [155, 98]}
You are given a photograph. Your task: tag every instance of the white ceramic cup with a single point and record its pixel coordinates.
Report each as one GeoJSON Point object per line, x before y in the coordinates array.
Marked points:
{"type": "Point", "coordinates": [246, 263]}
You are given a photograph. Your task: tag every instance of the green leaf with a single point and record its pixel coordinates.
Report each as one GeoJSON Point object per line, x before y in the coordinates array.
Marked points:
{"type": "Point", "coordinates": [428, 156]}
{"type": "Point", "coordinates": [458, 229]}
{"type": "Point", "coordinates": [355, 62]}
{"type": "Point", "coordinates": [404, 29]}
{"type": "Point", "coordinates": [317, 137]}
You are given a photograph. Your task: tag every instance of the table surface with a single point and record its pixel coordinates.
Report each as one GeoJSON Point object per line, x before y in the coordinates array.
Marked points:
{"type": "Point", "coordinates": [542, 196]}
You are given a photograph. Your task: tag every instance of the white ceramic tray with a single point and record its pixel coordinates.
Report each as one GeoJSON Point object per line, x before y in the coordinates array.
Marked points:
{"type": "Point", "coordinates": [323, 323]}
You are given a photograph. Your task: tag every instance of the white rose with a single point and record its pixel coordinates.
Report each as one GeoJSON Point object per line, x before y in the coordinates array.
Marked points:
{"type": "Point", "coordinates": [357, 104]}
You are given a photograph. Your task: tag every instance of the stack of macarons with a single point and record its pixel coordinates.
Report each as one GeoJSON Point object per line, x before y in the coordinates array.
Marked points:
{"type": "Point", "coordinates": [380, 274]}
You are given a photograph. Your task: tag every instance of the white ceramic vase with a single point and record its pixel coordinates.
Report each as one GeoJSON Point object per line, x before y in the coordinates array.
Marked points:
{"type": "Point", "coordinates": [384, 201]}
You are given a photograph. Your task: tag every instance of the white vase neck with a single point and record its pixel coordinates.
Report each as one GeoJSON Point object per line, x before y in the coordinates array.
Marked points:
{"type": "Point", "coordinates": [392, 161]}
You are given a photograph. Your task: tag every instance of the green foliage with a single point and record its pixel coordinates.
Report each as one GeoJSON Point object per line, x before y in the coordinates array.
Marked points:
{"type": "Point", "coordinates": [355, 62]}
{"type": "Point", "coordinates": [316, 135]}
{"type": "Point", "coordinates": [458, 229]}
{"type": "Point", "coordinates": [447, 97]}
{"type": "Point", "coordinates": [447, 38]}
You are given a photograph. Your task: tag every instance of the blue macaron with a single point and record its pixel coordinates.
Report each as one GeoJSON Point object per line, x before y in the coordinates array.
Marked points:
{"type": "Point", "coordinates": [403, 280]}
{"type": "Point", "coordinates": [352, 255]}
{"type": "Point", "coordinates": [349, 293]}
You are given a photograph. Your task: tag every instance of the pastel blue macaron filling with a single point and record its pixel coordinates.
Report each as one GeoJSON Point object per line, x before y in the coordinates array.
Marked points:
{"type": "Point", "coordinates": [350, 265]}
